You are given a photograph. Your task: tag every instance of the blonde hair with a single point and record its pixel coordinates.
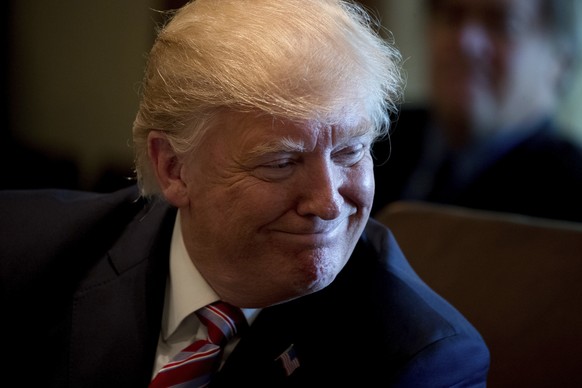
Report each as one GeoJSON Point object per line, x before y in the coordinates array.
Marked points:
{"type": "Point", "coordinates": [318, 60]}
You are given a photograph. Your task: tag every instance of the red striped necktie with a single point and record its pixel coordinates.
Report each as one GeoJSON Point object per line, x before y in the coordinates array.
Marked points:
{"type": "Point", "coordinates": [195, 364]}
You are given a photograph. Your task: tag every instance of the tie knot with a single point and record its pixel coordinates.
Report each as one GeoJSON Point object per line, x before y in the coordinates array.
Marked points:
{"type": "Point", "coordinates": [222, 320]}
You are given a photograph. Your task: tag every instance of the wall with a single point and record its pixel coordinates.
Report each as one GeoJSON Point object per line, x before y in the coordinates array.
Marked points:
{"type": "Point", "coordinates": [75, 69]}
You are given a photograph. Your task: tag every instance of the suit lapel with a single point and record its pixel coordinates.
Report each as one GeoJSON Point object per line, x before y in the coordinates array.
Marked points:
{"type": "Point", "coordinates": [127, 286]}
{"type": "Point", "coordinates": [318, 331]}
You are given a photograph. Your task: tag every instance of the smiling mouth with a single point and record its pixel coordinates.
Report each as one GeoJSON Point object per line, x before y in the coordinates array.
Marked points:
{"type": "Point", "coordinates": [311, 239]}
{"type": "Point", "coordinates": [322, 230]}
{"type": "Point", "coordinates": [313, 233]}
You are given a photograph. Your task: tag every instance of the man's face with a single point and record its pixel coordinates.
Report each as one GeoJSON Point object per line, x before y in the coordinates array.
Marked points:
{"type": "Point", "coordinates": [275, 208]}
{"type": "Point", "coordinates": [492, 64]}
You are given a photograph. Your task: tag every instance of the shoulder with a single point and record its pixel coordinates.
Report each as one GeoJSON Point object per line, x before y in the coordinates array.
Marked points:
{"type": "Point", "coordinates": [42, 226]}
{"type": "Point", "coordinates": [547, 160]}
{"type": "Point", "coordinates": [17, 202]}
{"type": "Point", "coordinates": [52, 213]}
{"type": "Point", "coordinates": [428, 337]}
{"type": "Point", "coordinates": [51, 239]}
{"type": "Point", "coordinates": [386, 278]}
{"type": "Point", "coordinates": [551, 145]}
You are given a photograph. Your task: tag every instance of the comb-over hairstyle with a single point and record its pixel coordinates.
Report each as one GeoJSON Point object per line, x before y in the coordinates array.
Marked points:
{"type": "Point", "coordinates": [299, 60]}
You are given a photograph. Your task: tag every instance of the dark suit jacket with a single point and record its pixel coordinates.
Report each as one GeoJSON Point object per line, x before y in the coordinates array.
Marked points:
{"type": "Point", "coordinates": [82, 288]}
{"type": "Point", "coordinates": [541, 176]}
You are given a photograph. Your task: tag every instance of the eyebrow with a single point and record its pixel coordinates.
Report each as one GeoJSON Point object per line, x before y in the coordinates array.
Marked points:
{"type": "Point", "coordinates": [289, 145]}
{"type": "Point", "coordinates": [285, 144]}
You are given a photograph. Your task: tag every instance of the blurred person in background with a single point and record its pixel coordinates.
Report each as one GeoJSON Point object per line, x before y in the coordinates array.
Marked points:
{"type": "Point", "coordinates": [489, 139]}
{"type": "Point", "coordinates": [255, 185]}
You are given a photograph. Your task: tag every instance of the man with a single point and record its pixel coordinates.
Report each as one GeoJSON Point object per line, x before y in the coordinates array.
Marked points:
{"type": "Point", "coordinates": [252, 144]}
{"type": "Point", "coordinates": [489, 138]}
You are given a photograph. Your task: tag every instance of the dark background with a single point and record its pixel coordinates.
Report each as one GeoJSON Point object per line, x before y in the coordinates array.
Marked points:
{"type": "Point", "coordinates": [69, 78]}
{"type": "Point", "coordinates": [70, 72]}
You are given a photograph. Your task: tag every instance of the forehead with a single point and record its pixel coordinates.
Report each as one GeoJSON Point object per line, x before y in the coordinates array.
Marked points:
{"type": "Point", "coordinates": [261, 126]}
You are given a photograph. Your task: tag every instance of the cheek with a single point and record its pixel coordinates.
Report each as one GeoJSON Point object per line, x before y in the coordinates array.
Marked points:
{"type": "Point", "coordinates": [223, 221]}
{"type": "Point", "coordinates": [360, 185]}
{"type": "Point", "coordinates": [244, 203]}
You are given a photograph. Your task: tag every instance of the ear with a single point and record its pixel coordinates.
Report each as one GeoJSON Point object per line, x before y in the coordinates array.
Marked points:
{"type": "Point", "coordinates": [168, 169]}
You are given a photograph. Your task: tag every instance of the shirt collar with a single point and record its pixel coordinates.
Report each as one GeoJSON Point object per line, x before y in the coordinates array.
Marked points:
{"type": "Point", "coordinates": [186, 291]}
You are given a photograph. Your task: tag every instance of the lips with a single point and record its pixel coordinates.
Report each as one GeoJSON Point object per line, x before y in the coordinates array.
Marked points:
{"type": "Point", "coordinates": [312, 228]}
{"type": "Point", "coordinates": [311, 237]}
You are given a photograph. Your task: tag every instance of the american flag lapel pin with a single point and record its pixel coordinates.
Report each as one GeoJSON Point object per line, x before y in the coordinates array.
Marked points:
{"type": "Point", "coordinates": [289, 360]}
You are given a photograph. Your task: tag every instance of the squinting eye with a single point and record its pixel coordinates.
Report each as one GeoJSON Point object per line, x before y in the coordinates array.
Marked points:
{"type": "Point", "coordinates": [278, 165]}
{"type": "Point", "coordinates": [350, 155]}
{"type": "Point", "coordinates": [275, 170]}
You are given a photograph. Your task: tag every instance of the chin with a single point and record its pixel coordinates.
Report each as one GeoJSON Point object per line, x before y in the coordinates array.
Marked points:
{"type": "Point", "coordinates": [305, 283]}
{"type": "Point", "coordinates": [320, 274]}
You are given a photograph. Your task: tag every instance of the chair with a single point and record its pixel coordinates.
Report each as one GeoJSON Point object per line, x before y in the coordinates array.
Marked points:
{"type": "Point", "coordinates": [517, 279]}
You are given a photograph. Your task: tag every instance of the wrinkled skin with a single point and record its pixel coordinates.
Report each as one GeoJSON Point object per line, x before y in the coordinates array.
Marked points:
{"type": "Point", "coordinates": [271, 210]}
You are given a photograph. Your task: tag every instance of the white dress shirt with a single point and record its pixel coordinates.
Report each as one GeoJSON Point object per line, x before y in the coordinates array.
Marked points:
{"type": "Point", "coordinates": [186, 292]}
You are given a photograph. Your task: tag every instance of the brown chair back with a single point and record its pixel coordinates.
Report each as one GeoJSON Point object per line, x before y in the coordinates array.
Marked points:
{"type": "Point", "coordinates": [517, 279]}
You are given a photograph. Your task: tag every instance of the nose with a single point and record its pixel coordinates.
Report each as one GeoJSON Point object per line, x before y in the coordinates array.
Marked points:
{"type": "Point", "coordinates": [474, 39]}
{"type": "Point", "coordinates": [319, 191]}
